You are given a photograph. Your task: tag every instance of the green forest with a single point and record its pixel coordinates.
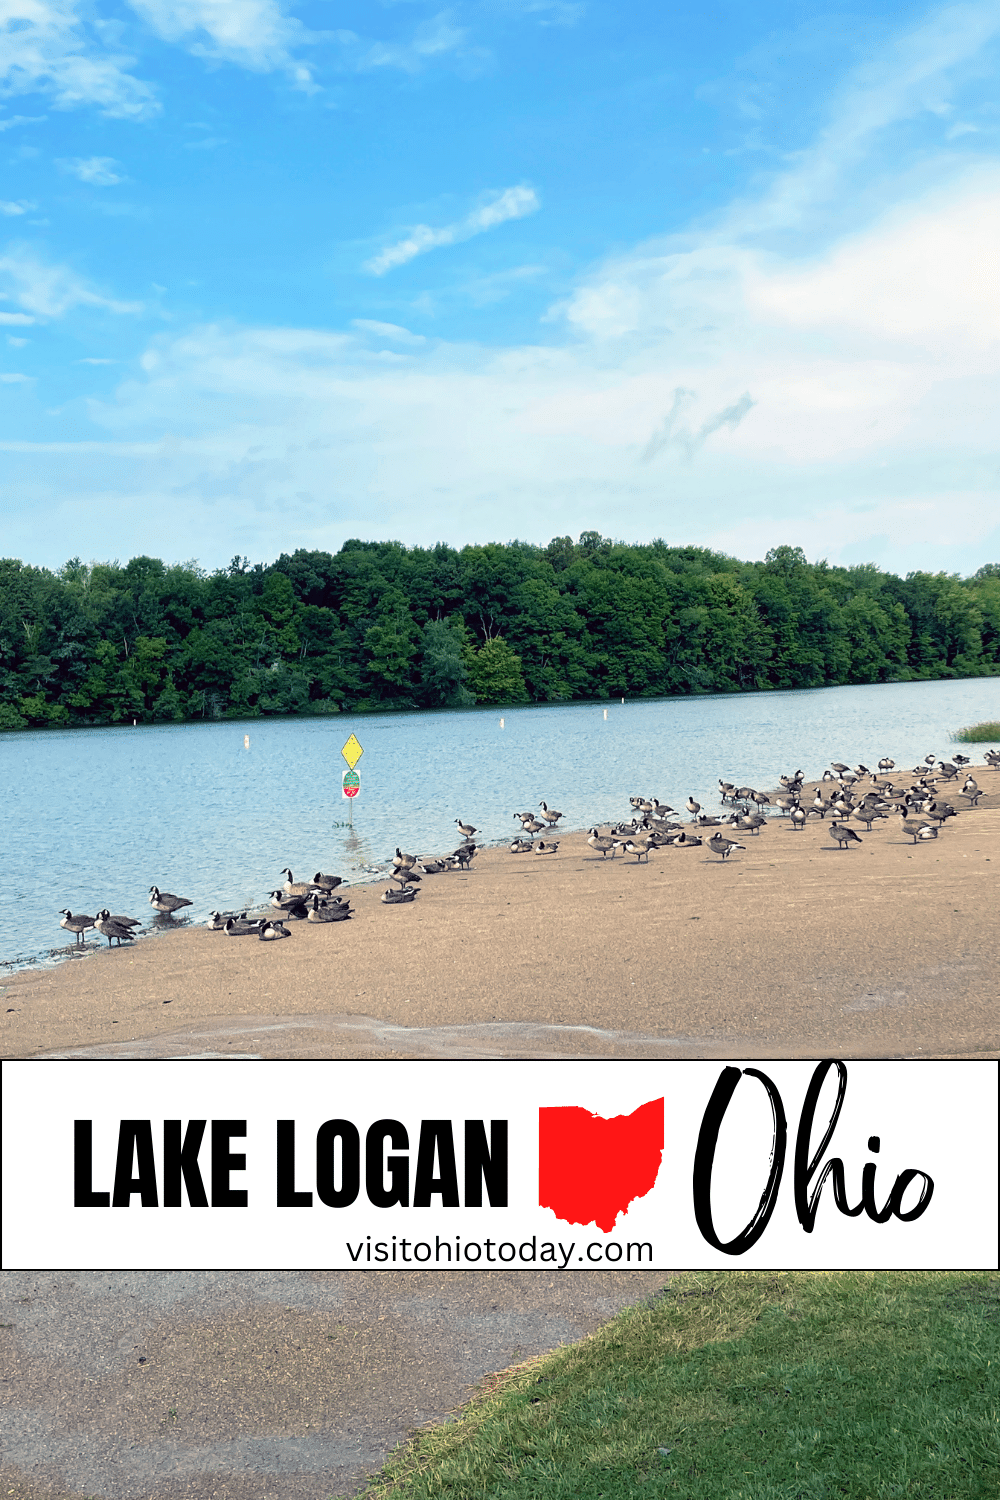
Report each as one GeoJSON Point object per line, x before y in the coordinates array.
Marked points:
{"type": "Point", "coordinates": [382, 626]}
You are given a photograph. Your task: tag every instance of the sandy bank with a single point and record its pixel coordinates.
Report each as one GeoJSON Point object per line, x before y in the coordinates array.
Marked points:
{"type": "Point", "coordinates": [793, 948]}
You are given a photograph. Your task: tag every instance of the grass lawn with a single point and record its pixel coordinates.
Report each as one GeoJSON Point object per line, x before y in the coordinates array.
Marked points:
{"type": "Point", "coordinates": [743, 1386]}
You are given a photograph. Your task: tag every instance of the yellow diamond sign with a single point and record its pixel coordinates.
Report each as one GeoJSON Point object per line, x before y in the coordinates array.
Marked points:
{"type": "Point", "coordinates": [352, 751]}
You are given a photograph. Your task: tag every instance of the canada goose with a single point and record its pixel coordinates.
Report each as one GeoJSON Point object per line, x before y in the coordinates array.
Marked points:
{"type": "Point", "coordinates": [725, 847]}
{"type": "Point", "coordinates": [268, 932]}
{"type": "Point", "coordinates": [927, 832]}
{"type": "Point", "coordinates": [338, 911]}
{"type": "Point", "coordinates": [946, 770]}
{"type": "Point", "coordinates": [217, 922]}
{"type": "Point", "coordinates": [239, 927]}
{"type": "Point", "coordinates": [862, 770]}
{"type": "Point", "coordinates": [727, 790]}
{"type": "Point", "coordinates": [929, 760]}
{"type": "Point", "coordinates": [549, 816]}
{"type": "Point", "coordinates": [685, 840]}
{"type": "Point", "coordinates": [125, 921]}
{"type": "Point", "coordinates": [436, 866]}
{"type": "Point", "coordinates": [602, 845]}
{"type": "Point", "coordinates": [960, 760]}
{"type": "Point", "coordinates": [75, 923]}
{"type": "Point", "coordinates": [293, 887]}
{"type": "Point", "coordinates": [704, 821]}
{"type": "Point", "coordinates": [521, 846]}
{"type": "Point", "coordinates": [109, 928]}
{"type": "Point", "coordinates": [819, 806]}
{"type": "Point", "coordinates": [971, 790]}
{"type": "Point", "coordinates": [639, 848]}
{"type": "Point", "coordinates": [405, 877]}
{"type": "Point", "coordinates": [327, 882]}
{"type": "Point", "coordinates": [748, 823]}
{"type": "Point", "coordinates": [993, 757]}
{"type": "Point", "coordinates": [296, 911]}
{"type": "Point", "coordinates": [844, 836]}
{"type": "Point", "coordinates": [403, 861]}
{"type": "Point", "coordinates": [693, 807]}
{"type": "Point", "coordinates": [392, 897]}
{"type": "Point", "coordinates": [939, 811]}
{"type": "Point", "coordinates": [282, 902]}
{"type": "Point", "coordinates": [912, 826]}
{"type": "Point", "coordinates": [466, 829]}
{"type": "Point", "coordinates": [798, 818]}
{"type": "Point", "coordinates": [760, 799]}
{"type": "Point", "coordinates": [165, 902]}
{"type": "Point", "coordinates": [838, 766]}
{"type": "Point", "coordinates": [533, 826]}
{"type": "Point", "coordinates": [543, 848]}
{"type": "Point", "coordinates": [867, 814]}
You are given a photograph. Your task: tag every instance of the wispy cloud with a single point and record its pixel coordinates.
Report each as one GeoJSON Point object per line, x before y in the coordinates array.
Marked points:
{"type": "Point", "coordinates": [15, 320]}
{"type": "Point", "coordinates": [21, 120]}
{"type": "Point", "coordinates": [688, 440]}
{"type": "Point", "coordinates": [435, 38]}
{"type": "Point", "coordinates": [98, 171]}
{"type": "Point", "coordinates": [48, 291]}
{"type": "Point", "coordinates": [254, 34]}
{"type": "Point", "coordinates": [14, 210]}
{"type": "Point", "coordinates": [56, 51]}
{"type": "Point", "coordinates": [391, 331]}
{"type": "Point", "coordinates": [512, 203]}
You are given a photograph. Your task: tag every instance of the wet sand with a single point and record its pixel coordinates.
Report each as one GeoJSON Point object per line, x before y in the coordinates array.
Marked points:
{"type": "Point", "coordinates": [793, 948]}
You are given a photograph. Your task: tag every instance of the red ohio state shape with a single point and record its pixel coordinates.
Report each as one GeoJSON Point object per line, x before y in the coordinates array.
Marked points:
{"type": "Point", "coordinates": [591, 1169]}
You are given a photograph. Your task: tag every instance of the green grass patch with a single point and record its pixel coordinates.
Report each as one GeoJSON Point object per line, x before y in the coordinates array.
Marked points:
{"type": "Point", "coordinates": [742, 1386]}
{"type": "Point", "coordinates": [978, 734]}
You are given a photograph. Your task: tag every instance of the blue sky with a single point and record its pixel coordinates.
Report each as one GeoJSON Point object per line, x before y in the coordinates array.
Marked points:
{"type": "Point", "coordinates": [275, 275]}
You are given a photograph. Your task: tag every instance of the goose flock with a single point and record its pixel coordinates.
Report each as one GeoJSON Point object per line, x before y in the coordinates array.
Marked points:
{"type": "Point", "coordinates": [845, 795]}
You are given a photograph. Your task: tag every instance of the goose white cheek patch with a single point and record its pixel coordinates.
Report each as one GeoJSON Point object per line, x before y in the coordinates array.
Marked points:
{"type": "Point", "coordinates": [530, 1165]}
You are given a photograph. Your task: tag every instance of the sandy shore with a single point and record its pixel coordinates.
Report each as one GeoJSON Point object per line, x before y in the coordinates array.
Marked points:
{"type": "Point", "coordinates": [794, 948]}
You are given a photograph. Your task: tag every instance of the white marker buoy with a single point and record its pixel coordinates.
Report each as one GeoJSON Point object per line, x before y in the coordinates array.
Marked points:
{"type": "Point", "coordinates": [501, 723]}
{"type": "Point", "coordinates": [246, 742]}
{"type": "Point", "coordinates": [605, 713]}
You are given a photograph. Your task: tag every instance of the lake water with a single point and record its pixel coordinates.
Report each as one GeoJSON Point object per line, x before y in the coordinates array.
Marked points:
{"type": "Point", "coordinates": [95, 817]}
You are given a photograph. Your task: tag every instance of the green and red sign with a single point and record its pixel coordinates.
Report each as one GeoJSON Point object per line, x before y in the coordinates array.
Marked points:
{"type": "Point", "coordinates": [351, 783]}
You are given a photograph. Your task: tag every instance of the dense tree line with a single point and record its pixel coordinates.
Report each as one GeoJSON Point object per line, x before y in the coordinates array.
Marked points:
{"type": "Point", "coordinates": [380, 625]}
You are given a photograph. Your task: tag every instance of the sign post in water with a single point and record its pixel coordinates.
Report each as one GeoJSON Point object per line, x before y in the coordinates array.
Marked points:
{"type": "Point", "coordinates": [351, 785]}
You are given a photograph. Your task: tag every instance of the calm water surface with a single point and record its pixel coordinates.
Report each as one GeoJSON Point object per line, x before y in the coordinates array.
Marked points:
{"type": "Point", "coordinates": [95, 817]}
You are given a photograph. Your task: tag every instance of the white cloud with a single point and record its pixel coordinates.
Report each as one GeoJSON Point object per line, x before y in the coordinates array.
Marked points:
{"type": "Point", "coordinates": [49, 291]}
{"type": "Point", "coordinates": [17, 343]}
{"type": "Point", "coordinates": [388, 331]}
{"type": "Point", "coordinates": [21, 120]}
{"type": "Point", "coordinates": [14, 210]}
{"type": "Point", "coordinates": [98, 171]}
{"type": "Point", "coordinates": [93, 361]}
{"type": "Point", "coordinates": [255, 34]}
{"type": "Point", "coordinates": [513, 203]}
{"type": "Point", "coordinates": [15, 320]}
{"type": "Point", "coordinates": [49, 47]}
{"type": "Point", "coordinates": [435, 38]}
{"type": "Point", "coordinates": [12, 379]}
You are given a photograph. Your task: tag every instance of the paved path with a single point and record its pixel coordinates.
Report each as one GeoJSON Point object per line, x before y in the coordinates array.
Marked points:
{"type": "Point", "coordinates": [281, 1385]}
